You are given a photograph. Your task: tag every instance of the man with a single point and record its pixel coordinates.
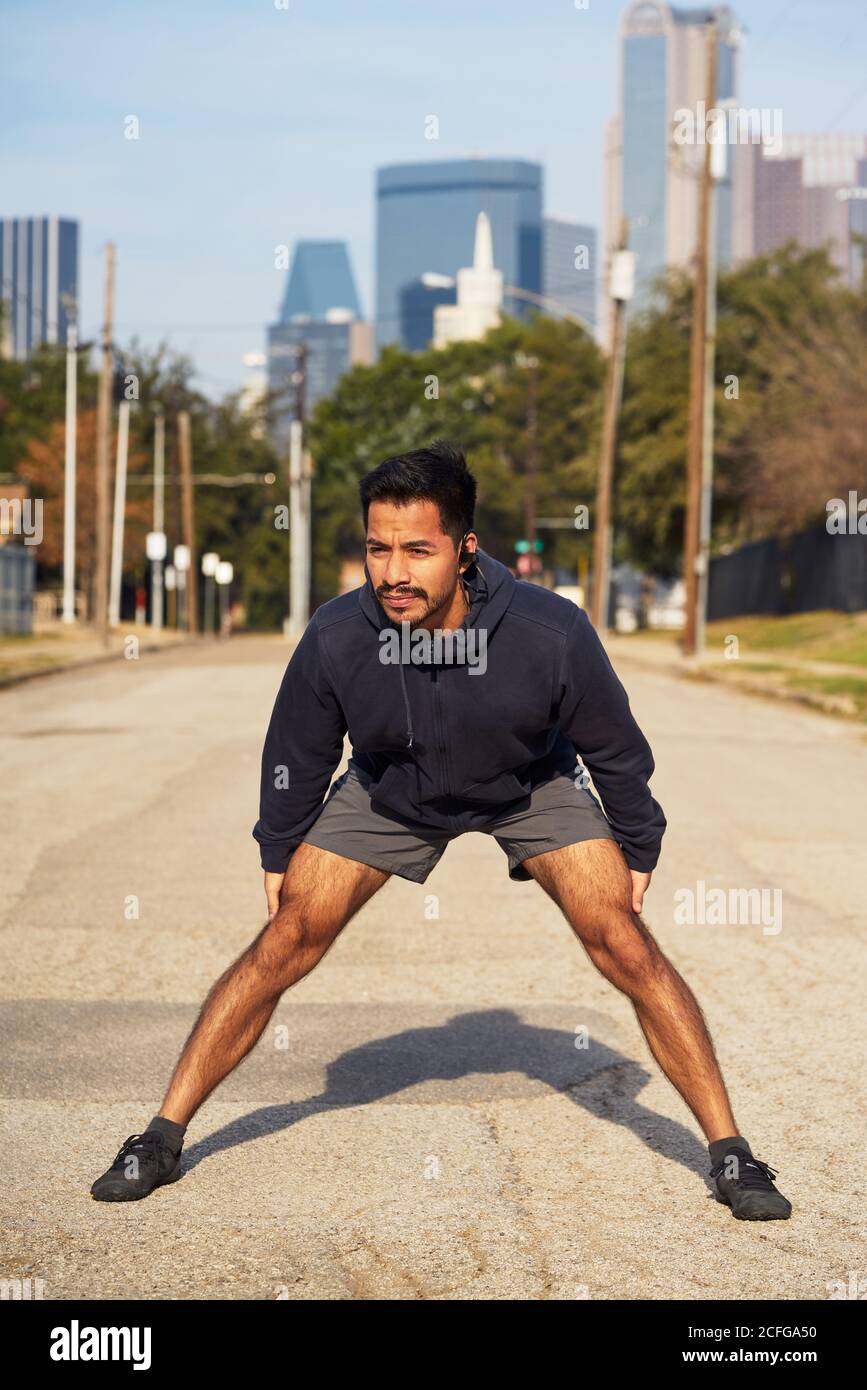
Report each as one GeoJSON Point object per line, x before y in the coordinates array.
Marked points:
{"type": "Point", "coordinates": [467, 696]}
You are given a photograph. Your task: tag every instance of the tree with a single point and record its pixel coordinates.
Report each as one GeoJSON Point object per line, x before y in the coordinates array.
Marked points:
{"type": "Point", "coordinates": [476, 394]}
{"type": "Point", "coordinates": [789, 405]}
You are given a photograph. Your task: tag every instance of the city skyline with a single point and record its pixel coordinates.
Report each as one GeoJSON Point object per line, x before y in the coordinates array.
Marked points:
{"type": "Point", "coordinates": [194, 205]}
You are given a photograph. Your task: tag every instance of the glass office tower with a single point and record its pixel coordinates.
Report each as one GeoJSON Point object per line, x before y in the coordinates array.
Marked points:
{"type": "Point", "coordinates": [39, 280]}
{"type": "Point", "coordinates": [425, 222]}
{"type": "Point", "coordinates": [570, 284]}
{"type": "Point", "coordinates": [320, 309]}
{"type": "Point", "coordinates": [652, 180]}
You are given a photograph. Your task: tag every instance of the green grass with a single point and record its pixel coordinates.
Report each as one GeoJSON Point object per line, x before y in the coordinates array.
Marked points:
{"type": "Point", "coordinates": [823, 636]}
{"type": "Point", "coordinates": [852, 686]}
{"type": "Point", "coordinates": [19, 640]}
{"type": "Point", "coordinates": [42, 662]}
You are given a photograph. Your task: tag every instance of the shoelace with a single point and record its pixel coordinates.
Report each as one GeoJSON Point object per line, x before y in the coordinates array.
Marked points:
{"type": "Point", "coordinates": [148, 1144]}
{"type": "Point", "coordinates": [752, 1172]}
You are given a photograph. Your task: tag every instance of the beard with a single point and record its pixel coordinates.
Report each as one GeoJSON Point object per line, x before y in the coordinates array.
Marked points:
{"type": "Point", "coordinates": [431, 604]}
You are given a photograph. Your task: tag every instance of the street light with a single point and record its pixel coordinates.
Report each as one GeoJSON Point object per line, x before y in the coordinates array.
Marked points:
{"type": "Point", "coordinates": [155, 549]}
{"type": "Point", "coordinates": [70, 459]}
{"type": "Point", "coordinates": [182, 564]}
{"type": "Point", "coordinates": [171, 583]}
{"type": "Point", "coordinates": [223, 574]}
{"type": "Point", "coordinates": [210, 561]}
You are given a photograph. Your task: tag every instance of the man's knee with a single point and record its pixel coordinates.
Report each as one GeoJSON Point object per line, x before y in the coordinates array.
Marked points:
{"type": "Point", "coordinates": [291, 943]}
{"type": "Point", "coordinates": [619, 944]}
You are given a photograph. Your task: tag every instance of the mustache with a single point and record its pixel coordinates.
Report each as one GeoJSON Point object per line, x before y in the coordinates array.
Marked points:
{"type": "Point", "coordinates": [384, 591]}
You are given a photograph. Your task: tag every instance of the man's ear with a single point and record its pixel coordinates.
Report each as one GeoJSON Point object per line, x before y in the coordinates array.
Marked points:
{"type": "Point", "coordinates": [467, 555]}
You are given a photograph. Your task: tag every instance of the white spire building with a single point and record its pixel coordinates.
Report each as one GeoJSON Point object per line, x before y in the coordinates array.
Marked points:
{"type": "Point", "coordinates": [480, 294]}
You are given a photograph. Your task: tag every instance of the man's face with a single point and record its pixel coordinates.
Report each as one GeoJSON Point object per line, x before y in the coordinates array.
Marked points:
{"type": "Point", "coordinates": [412, 564]}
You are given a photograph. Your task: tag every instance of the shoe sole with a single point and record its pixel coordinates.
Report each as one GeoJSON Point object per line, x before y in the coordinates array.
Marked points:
{"type": "Point", "coordinates": [757, 1216]}
{"type": "Point", "coordinates": [127, 1196]}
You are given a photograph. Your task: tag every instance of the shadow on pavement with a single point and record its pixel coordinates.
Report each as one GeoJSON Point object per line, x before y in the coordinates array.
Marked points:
{"type": "Point", "coordinates": [492, 1041]}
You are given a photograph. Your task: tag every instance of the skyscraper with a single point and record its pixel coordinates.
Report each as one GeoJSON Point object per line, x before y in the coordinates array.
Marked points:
{"type": "Point", "coordinates": [38, 281]}
{"type": "Point", "coordinates": [812, 190]}
{"type": "Point", "coordinates": [569, 268]}
{"type": "Point", "coordinates": [321, 311]}
{"type": "Point", "coordinates": [652, 181]}
{"type": "Point", "coordinates": [425, 222]}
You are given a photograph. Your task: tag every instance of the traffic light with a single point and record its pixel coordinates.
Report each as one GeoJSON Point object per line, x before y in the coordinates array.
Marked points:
{"type": "Point", "coordinates": [524, 547]}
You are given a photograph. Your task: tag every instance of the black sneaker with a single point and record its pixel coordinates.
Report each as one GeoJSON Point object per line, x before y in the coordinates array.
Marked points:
{"type": "Point", "coordinates": [144, 1162]}
{"type": "Point", "coordinates": [749, 1191]}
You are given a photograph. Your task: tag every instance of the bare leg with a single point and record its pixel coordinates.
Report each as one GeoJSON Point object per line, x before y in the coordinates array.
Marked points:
{"type": "Point", "coordinates": [590, 882]}
{"type": "Point", "coordinates": [320, 893]}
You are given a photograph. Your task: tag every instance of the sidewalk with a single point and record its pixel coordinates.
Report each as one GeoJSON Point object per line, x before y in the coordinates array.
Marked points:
{"type": "Point", "coordinates": [836, 688]}
{"type": "Point", "coordinates": [58, 647]}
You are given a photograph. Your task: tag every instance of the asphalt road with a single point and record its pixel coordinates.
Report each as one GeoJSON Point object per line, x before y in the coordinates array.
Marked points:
{"type": "Point", "coordinates": [418, 1121]}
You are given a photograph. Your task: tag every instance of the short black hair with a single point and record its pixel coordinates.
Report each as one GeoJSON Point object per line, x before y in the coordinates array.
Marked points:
{"type": "Point", "coordinates": [437, 473]}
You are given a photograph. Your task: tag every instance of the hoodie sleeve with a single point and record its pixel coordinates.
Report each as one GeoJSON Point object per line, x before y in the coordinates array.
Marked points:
{"type": "Point", "coordinates": [302, 748]}
{"type": "Point", "coordinates": [594, 714]}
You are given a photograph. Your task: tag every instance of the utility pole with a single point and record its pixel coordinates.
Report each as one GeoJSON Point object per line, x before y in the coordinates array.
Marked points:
{"type": "Point", "coordinates": [297, 559]}
{"type": "Point", "coordinates": [532, 462]}
{"type": "Point", "coordinates": [188, 519]}
{"type": "Point", "coordinates": [700, 439]}
{"type": "Point", "coordinates": [621, 284]}
{"type": "Point", "coordinates": [299, 507]}
{"type": "Point", "coordinates": [69, 471]}
{"type": "Point", "coordinates": [159, 517]}
{"type": "Point", "coordinates": [119, 510]}
{"type": "Point", "coordinates": [103, 432]}
{"type": "Point", "coordinates": [527, 362]}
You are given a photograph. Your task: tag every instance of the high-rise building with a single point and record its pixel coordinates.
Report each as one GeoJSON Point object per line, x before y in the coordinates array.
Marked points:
{"type": "Point", "coordinates": [418, 305]}
{"type": "Point", "coordinates": [811, 189]}
{"type": "Point", "coordinates": [425, 222]}
{"type": "Point", "coordinates": [653, 180]}
{"type": "Point", "coordinates": [321, 312]}
{"type": "Point", "coordinates": [857, 200]}
{"type": "Point", "coordinates": [38, 281]}
{"type": "Point", "coordinates": [569, 268]}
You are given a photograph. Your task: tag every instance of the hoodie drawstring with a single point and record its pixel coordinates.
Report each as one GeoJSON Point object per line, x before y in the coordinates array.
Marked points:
{"type": "Point", "coordinates": [406, 705]}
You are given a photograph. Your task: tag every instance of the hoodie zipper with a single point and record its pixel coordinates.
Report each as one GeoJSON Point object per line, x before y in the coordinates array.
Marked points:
{"type": "Point", "coordinates": [439, 725]}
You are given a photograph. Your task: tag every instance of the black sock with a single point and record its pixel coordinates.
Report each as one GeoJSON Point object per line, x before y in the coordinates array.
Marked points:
{"type": "Point", "coordinates": [171, 1132]}
{"type": "Point", "coordinates": [718, 1148]}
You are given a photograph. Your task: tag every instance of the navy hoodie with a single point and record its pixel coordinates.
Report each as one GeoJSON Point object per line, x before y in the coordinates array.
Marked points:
{"type": "Point", "coordinates": [444, 744]}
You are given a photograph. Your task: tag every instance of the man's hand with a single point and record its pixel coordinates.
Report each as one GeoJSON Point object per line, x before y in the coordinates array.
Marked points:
{"type": "Point", "coordinates": [273, 884]}
{"type": "Point", "coordinates": [640, 885]}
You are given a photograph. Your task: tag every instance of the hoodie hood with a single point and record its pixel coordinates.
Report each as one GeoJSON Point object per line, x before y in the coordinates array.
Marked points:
{"type": "Point", "coordinates": [490, 585]}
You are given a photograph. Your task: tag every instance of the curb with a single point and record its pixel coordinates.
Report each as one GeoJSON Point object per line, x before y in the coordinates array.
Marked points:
{"type": "Point", "coordinates": [696, 671]}
{"type": "Point", "coordinates": [63, 668]}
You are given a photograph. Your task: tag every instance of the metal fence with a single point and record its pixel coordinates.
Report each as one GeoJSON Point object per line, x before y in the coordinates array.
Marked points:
{"type": "Point", "coordinates": [17, 575]}
{"type": "Point", "coordinates": [800, 573]}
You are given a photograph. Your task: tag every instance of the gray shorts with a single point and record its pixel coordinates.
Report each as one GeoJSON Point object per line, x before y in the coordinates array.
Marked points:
{"type": "Point", "coordinates": [557, 813]}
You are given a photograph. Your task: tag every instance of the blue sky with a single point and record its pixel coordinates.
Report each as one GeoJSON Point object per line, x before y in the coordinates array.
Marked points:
{"type": "Point", "coordinates": [261, 125]}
